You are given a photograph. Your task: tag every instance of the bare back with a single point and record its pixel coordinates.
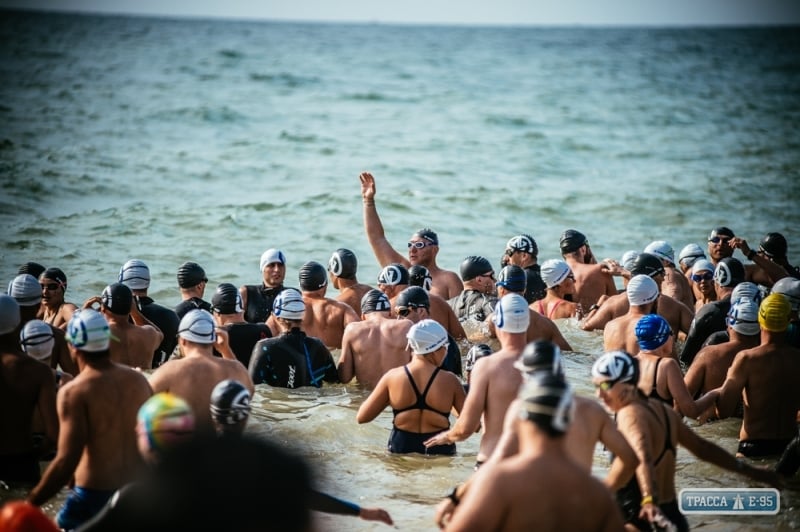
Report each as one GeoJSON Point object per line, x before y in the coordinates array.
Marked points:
{"type": "Point", "coordinates": [446, 284]}
{"type": "Point", "coordinates": [710, 366]}
{"type": "Point", "coordinates": [444, 314]}
{"type": "Point", "coordinates": [620, 333]}
{"type": "Point", "coordinates": [326, 319]}
{"type": "Point", "coordinates": [591, 283]}
{"type": "Point", "coordinates": [351, 296]}
{"type": "Point", "coordinates": [133, 345]}
{"type": "Point", "coordinates": [372, 347]}
{"type": "Point", "coordinates": [677, 286]}
{"type": "Point", "coordinates": [444, 394]}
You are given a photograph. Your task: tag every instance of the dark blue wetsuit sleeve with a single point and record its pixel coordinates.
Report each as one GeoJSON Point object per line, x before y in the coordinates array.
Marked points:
{"type": "Point", "coordinates": [322, 502]}
{"type": "Point", "coordinates": [258, 363]}
{"type": "Point", "coordinates": [324, 367]}
{"type": "Point", "coordinates": [452, 361]}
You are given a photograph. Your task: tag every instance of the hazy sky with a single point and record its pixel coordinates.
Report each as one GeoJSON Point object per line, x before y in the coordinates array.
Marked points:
{"type": "Point", "coordinates": [522, 12]}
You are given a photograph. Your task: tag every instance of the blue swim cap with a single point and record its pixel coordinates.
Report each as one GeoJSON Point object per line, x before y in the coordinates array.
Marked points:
{"type": "Point", "coordinates": [652, 331]}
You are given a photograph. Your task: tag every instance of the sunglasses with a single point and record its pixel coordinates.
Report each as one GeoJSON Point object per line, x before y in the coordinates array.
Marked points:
{"type": "Point", "coordinates": [419, 244]}
{"type": "Point", "coordinates": [718, 239]}
{"type": "Point", "coordinates": [704, 277]}
{"type": "Point", "coordinates": [51, 286]}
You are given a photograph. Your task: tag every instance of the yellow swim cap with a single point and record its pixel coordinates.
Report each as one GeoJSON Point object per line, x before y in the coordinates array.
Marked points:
{"type": "Point", "coordinates": [773, 314]}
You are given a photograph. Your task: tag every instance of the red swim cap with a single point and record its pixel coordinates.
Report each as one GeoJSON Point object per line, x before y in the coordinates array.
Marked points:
{"type": "Point", "coordinates": [22, 516]}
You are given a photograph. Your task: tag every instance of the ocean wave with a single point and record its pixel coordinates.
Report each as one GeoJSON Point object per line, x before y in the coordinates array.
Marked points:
{"type": "Point", "coordinates": [284, 79]}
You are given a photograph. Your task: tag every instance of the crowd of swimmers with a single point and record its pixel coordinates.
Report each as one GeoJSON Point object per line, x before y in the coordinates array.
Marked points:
{"type": "Point", "coordinates": [703, 336]}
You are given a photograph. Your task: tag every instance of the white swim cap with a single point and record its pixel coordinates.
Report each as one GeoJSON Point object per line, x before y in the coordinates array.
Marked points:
{"type": "Point", "coordinates": [88, 331]}
{"type": "Point", "coordinates": [198, 326]}
{"type": "Point", "coordinates": [25, 289]}
{"type": "Point", "coordinates": [628, 259]}
{"type": "Point", "coordinates": [701, 265]}
{"type": "Point", "coordinates": [135, 275]}
{"type": "Point", "coordinates": [790, 287]}
{"type": "Point", "coordinates": [511, 314]}
{"type": "Point", "coordinates": [426, 336]}
{"type": "Point", "coordinates": [9, 314]}
{"type": "Point", "coordinates": [662, 250]}
{"type": "Point", "coordinates": [554, 271]}
{"type": "Point", "coordinates": [37, 339]}
{"type": "Point", "coordinates": [272, 256]}
{"type": "Point", "coordinates": [690, 253]}
{"type": "Point", "coordinates": [289, 305]}
{"type": "Point", "coordinates": [747, 290]}
{"type": "Point", "coordinates": [642, 289]}
{"type": "Point", "coordinates": [743, 317]}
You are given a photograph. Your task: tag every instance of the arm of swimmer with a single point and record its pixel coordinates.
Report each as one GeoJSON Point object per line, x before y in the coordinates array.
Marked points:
{"type": "Point", "coordinates": [695, 375]}
{"type": "Point", "coordinates": [377, 400]}
{"type": "Point", "coordinates": [322, 502]}
{"type": "Point", "coordinates": [731, 391]}
{"type": "Point", "coordinates": [469, 420]}
{"type": "Point", "coordinates": [557, 338]}
{"type": "Point", "coordinates": [140, 320]}
{"type": "Point", "coordinates": [598, 320]}
{"type": "Point", "coordinates": [625, 460]}
{"type": "Point", "coordinates": [373, 226]}
{"type": "Point", "coordinates": [677, 389]}
{"type": "Point", "coordinates": [46, 405]}
{"type": "Point", "coordinates": [346, 368]}
{"type": "Point", "coordinates": [630, 427]}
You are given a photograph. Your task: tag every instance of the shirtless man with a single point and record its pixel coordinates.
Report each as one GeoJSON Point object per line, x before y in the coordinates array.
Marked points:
{"type": "Point", "coordinates": [395, 278]}
{"type": "Point", "coordinates": [342, 267]}
{"type": "Point", "coordinates": [55, 310]}
{"type": "Point", "coordinates": [591, 281]}
{"type": "Point", "coordinates": [324, 318]}
{"type": "Point", "coordinates": [494, 381]}
{"type": "Point", "coordinates": [375, 345]}
{"type": "Point", "coordinates": [769, 261]}
{"type": "Point", "coordinates": [422, 247]}
{"type": "Point", "coordinates": [560, 283]}
{"type": "Point", "coordinates": [719, 244]}
{"type": "Point", "coordinates": [620, 333]}
{"type": "Point", "coordinates": [26, 291]}
{"type": "Point", "coordinates": [195, 374]}
{"type": "Point", "coordinates": [675, 284]}
{"type": "Point", "coordinates": [766, 377]}
{"type": "Point", "coordinates": [512, 281]}
{"type": "Point", "coordinates": [504, 498]}
{"type": "Point", "coordinates": [676, 313]}
{"type": "Point", "coordinates": [132, 344]}
{"type": "Point", "coordinates": [27, 388]}
{"type": "Point", "coordinates": [710, 366]}
{"type": "Point", "coordinates": [97, 417]}
{"type": "Point", "coordinates": [257, 299]}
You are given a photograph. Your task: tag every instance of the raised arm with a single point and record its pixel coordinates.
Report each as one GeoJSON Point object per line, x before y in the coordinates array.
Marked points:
{"type": "Point", "coordinates": [383, 250]}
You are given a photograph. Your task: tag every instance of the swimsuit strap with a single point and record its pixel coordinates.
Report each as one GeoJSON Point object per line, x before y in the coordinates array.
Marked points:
{"type": "Point", "coordinates": [553, 311]}
{"type": "Point", "coordinates": [667, 440]}
{"type": "Point", "coordinates": [414, 385]}
{"type": "Point", "coordinates": [542, 309]}
{"type": "Point", "coordinates": [420, 403]}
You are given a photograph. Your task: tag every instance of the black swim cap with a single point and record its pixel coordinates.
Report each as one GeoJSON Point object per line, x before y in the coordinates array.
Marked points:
{"type": "Point", "coordinates": [31, 268]}
{"type": "Point", "coordinates": [729, 272]}
{"type": "Point", "coordinates": [473, 266]}
{"type": "Point", "coordinates": [191, 274]}
{"type": "Point", "coordinates": [475, 353]}
{"type": "Point", "coordinates": [429, 235]}
{"type": "Point", "coordinates": [418, 275]}
{"type": "Point", "coordinates": [647, 264]}
{"type": "Point", "coordinates": [312, 276]}
{"type": "Point", "coordinates": [226, 299]}
{"type": "Point", "coordinates": [230, 402]}
{"type": "Point", "coordinates": [375, 301]}
{"type": "Point", "coordinates": [571, 240]}
{"type": "Point", "coordinates": [524, 243]}
{"type": "Point", "coordinates": [721, 231]}
{"type": "Point", "coordinates": [774, 245]}
{"type": "Point", "coordinates": [56, 275]}
{"type": "Point", "coordinates": [413, 297]}
{"type": "Point", "coordinates": [393, 274]}
{"type": "Point", "coordinates": [512, 278]}
{"type": "Point", "coordinates": [540, 356]}
{"type": "Point", "coordinates": [343, 263]}
{"type": "Point", "coordinates": [117, 298]}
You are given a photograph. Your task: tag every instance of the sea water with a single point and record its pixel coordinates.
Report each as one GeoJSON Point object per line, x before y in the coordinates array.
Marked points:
{"type": "Point", "coordinates": [179, 139]}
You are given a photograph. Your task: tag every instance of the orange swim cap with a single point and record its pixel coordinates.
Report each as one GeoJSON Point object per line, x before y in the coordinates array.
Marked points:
{"type": "Point", "coordinates": [22, 516]}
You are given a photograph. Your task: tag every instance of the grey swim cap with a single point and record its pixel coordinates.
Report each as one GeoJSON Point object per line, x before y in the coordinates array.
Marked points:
{"type": "Point", "coordinates": [289, 305]}
{"type": "Point", "coordinates": [9, 314]}
{"type": "Point", "coordinates": [25, 289]}
{"type": "Point", "coordinates": [135, 275]}
{"type": "Point", "coordinates": [198, 326]}
{"type": "Point", "coordinates": [36, 339]}
{"type": "Point", "coordinates": [547, 400]}
{"type": "Point", "coordinates": [88, 331]}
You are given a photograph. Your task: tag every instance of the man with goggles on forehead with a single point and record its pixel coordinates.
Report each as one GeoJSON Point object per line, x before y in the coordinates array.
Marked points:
{"type": "Point", "coordinates": [769, 261]}
{"type": "Point", "coordinates": [423, 246]}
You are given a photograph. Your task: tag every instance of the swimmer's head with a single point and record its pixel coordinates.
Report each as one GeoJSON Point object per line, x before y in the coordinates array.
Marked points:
{"type": "Point", "coordinates": [426, 337]}
{"type": "Point", "coordinates": [628, 259]}
{"type": "Point", "coordinates": [661, 249]}
{"type": "Point", "coordinates": [191, 274]}
{"type": "Point", "coordinates": [743, 317]}
{"type": "Point", "coordinates": [774, 313]}
{"type": "Point", "coordinates": [198, 326]}
{"type": "Point", "coordinates": [652, 331]}
{"type": "Point", "coordinates": [747, 290]}
{"type": "Point", "coordinates": [523, 243]}
{"type": "Point", "coordinates": [88, 331]}
{"type": "Point", "coordinates": [512, 278]}
{"type": "Point", "coordinates": [31, 268]}
{"type": "Point", "coordinates": [36, 339]}
{"type": "Point", "coordinates": [475, 353]}
{"type": "Point", "coordinates": [790, 287]}
{"type": "Point", "coordinates": [55, 274]}
{"type": "Point", "coordinates": [729, 272]}
{"type": "Point", "coordinates": [272, 256]}
{"type": "Point", "coordinates": [475, 266]}
{"type": "Point", "coordinates": [312, 276]}
{"type": "Point", "coordinates": [571, 240]}
{"type": "Point", "coordinates": [375, 301]}
{"type": "Point", "coordinates": [689, 254]}
{"type": "Point", "coordinates": [547, 400]}
{"type": "Point", "coordinates": [774, 246]}
{"type": "Point", "coordinates": [540, 355]}
{"type": "Point", "coordinates": [419, 275]}
{"type": "Point", "coordinates": [511, 314]}
{"type": "Point", "coordinates": [226, 299]}
{"type": "Point", "coordinates": [428, 235]}
{"type": "Point", "coordinates": [9, 314]}
{"type": "Point", "coordinates": [230, 404]}
{"type": "Point", "coordinates": [554, 272]}
{"type": "Point", "coordinates": [394, 274]}
{"type": "Point", "coordinates": [641, 290]}
{"type": "Point", "coordinates": [26, 290]}
{"type": "Point", "coordinates": [343, 263]}
{"type": "Point", "coordinates": [411, 298]}
{"type": "Point", "coordinates": [163, 421]}
{"type": "Point", "coordinates": [616, 366]}
{"type": "Point", "coordinates": [647, 264]}
{"type": "Point", "coordinates": [289, 305]}
{"type": "Point", "coordinates": [135, 275]}
{"type": "Point", "coordinates": [117, 299]}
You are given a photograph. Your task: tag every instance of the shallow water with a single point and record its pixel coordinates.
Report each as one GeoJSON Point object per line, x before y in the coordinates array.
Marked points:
{"type": "Point", "coordinates": [174, 140]}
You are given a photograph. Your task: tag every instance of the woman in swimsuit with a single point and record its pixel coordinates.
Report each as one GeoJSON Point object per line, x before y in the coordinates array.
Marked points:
{"type": "Point", "coordinates": [661, 376]}
{"type": "Point", "coordinates": [55, 310]}
{"type": "Point", "coordinates": [654, 431]}
{"type": "Point", "coordinates": [420, 393]}
{"type": "Point", "coordinates": [560, 284]}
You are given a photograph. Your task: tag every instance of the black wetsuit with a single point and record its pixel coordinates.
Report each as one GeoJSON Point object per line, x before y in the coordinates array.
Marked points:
{"type": "Point", "coordinates": [708, 320]}
{"type": "Point", "coordinates": [292, 360]}
{"type": "Point", "coordinates": [452, 360]}
{"type": "Point", "coordinates": [167, 321]}
{"type": "Point", "coordinates": [403, 441]}
{"type": "Point", "coordinates": [242, 337]}
{"type": "Point", "coordinates": [190, 304]}
{"type": "Point", "coordinates": [535, 289]}
{"type": "Point", "coordinates": [473, 305]}
{"type": "Point", "coordinates": [259, 302]}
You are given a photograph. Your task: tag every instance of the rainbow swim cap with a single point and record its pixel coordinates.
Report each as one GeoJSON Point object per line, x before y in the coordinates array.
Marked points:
{"type": "Point", "coordinates": [166, 420]}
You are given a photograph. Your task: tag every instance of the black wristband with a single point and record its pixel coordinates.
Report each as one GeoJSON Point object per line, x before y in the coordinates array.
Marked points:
{"type": "Point", "coordinates": [751, 254]}
{"type": "Point", "coordinates": [453, 496]}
